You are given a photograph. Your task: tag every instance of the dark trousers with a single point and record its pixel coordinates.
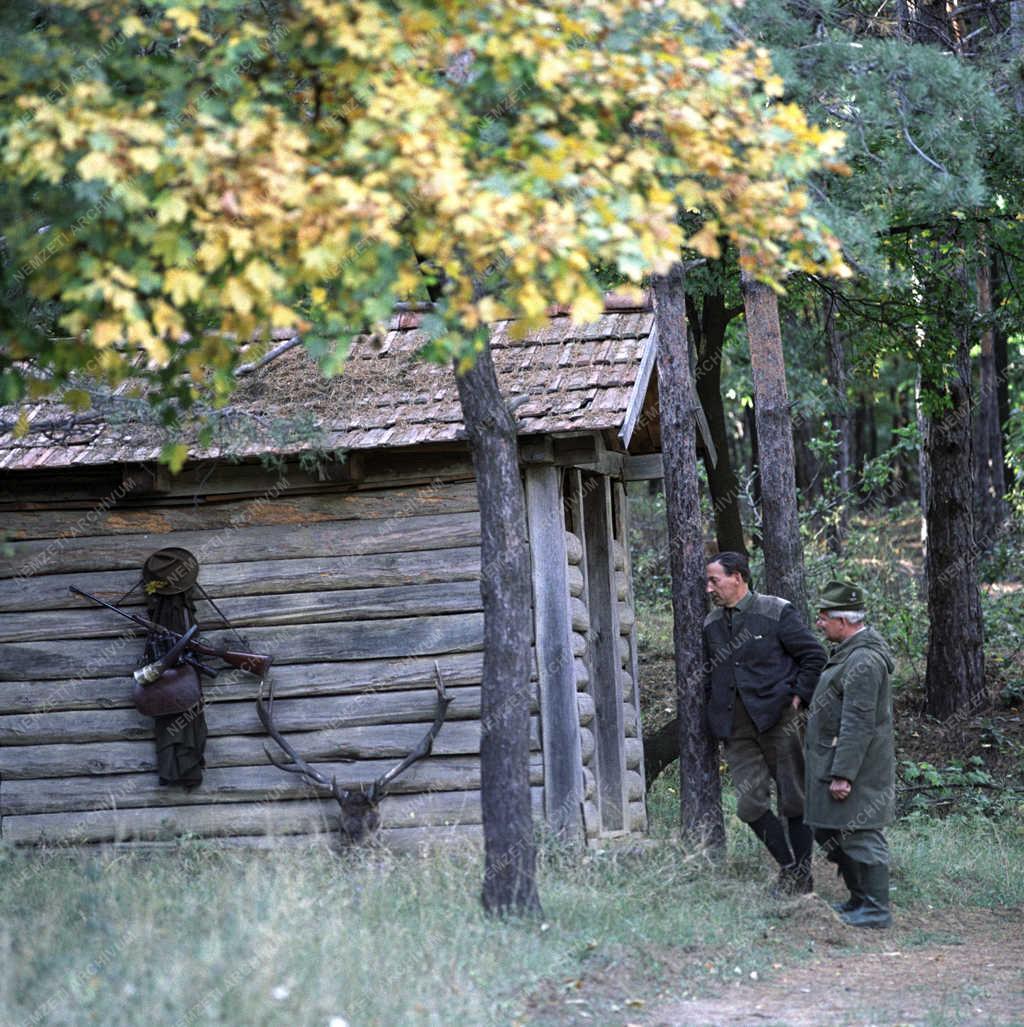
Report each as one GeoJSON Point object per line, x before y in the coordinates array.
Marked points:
{"type": "Point", "coordinates": [757, 758]}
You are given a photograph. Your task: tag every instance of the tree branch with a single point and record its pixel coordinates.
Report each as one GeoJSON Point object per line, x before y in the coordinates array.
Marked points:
{"type": "Point", "coordinates": [273, 354]}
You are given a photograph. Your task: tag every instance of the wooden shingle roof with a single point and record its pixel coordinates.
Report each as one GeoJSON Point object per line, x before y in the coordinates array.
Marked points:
{"type": "Point", "coordinates": [576, 377]}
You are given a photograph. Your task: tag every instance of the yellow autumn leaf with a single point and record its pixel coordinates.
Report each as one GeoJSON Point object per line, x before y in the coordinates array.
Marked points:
{"type": "Point", "coordinates": [282, 316]}
{"type": "Point", "coordinates": [182, 285]}
{"type": "Point", "coordinates": [236, 296]}
{"type": "Point", "coordinates": [587, 307]}
{"type": "Point", "coordinates": [167, 320]}
{"type": "Point", "coordinates": [262, 276]}
{"type": "Point", "coordinates": [211, 253]}
{"type": "Point", "coordinates": [174, 455]}
{"type": "Point", "coordinates": [21, 425]}
{"type": "Point", "coordinates": [170, 208]}
{"type": "Point", "coordinates": [183, 18]}
{"type": "Point", "coordinates": [97, 165]}
{"type": "Point", "coordinates": [105, 332]}
{"type": "Point", "coordinates": [145, 157]}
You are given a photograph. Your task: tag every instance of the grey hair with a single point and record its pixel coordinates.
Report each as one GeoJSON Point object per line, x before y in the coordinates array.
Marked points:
{"type": "Point", "coordinates": [853, 616]}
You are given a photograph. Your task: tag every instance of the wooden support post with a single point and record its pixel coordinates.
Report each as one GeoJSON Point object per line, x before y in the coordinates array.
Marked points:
{"type": "Point", "coordinates": [563, 779]}
{"type": "Point", "coordinates": [604, 649]}
{"type": "Point", "coordinates": [622, 506]}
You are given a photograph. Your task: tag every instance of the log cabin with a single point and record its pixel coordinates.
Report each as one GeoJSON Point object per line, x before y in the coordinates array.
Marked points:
{"type": "Point", "coordinates": [350, 552]}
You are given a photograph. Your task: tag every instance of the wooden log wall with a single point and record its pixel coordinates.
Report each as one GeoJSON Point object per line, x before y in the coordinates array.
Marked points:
{"type": "Point", "coordinates": [355, 588]}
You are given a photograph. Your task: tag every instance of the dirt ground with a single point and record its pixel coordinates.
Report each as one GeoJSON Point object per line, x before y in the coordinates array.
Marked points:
{"type": "Point", "coordinates": [935, 969]}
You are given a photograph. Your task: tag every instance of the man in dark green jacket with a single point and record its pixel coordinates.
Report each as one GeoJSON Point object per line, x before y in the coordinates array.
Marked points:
{"type": "Point", "coordinates": [762, 663]}
{"type": "Point", "coordinates": [851, 763]}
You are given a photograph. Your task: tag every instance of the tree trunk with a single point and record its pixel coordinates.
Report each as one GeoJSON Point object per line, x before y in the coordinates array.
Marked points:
{"type": "Point", "coordinates": [708, 327]}
{"type": "Point", "coordinates": [1003, 400]}
{"type": "Point", "coordinates": [700, 790]}
{"type": "Point", "coordinates": [930, 24]}
{"type": "Point", "coordinates": [750, 417]}
{"type": "Point", "coordinates": [783, 553]}
{"type": "Point", "coordinates": [840, 418]}
{"type": "Point", "coordinates": [923, 467]}
{"type": "Point", "coordinates": [1017, 38]}
{"type": "Point", "coordinates": [510, 885]}
{"type": "Point", "coordinates": [955, 674]}
{"type": "Point", "coordinates": [989, 442]}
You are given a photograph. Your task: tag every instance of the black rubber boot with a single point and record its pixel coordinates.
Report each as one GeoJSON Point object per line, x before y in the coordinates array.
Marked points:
{"type": "Point", "coordinates": [850, 871]}
{"type": "Point", "coordinates": [801, 838]}
{"type": "Point", "coordinates": [769, 829]}
{"type": "Point", "coordinates": [874, 908]}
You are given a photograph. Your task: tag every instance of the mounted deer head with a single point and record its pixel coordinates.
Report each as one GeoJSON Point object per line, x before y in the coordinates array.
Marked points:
{"type": "Point", "coordinates": [359, 817]}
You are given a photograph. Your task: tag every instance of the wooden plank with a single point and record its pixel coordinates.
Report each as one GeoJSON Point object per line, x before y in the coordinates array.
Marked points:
{"type": "Point", "coordinates": [412, 841]}
{"type": "Point", "coordinates": [236, 784]}
{"type": "Point", "coordinates": [648, 363]}
{"type": "Point", "coordinates": [275, 506]}
{"type": "Point", "coordinates": [220, 580]}
{"type": "Point", "coordinates": [243, 818]}
{"type": "Point", "coordinates": [605, 658]}
{"type": "Point", "coordinates": [228, 545]}
{"type": "Point", "coordinates": [216, 477]}
{"type": "Point", "coordinates": [300, 643]}
{"type": "Point", "coordinates": [642, 468]}
{"type": "Point", "coordinates": [295, 680]}
{"type": "Point", "coordinates": [257, 611]}
{"type": "Point", "coordinates": [553, 630]}
{"type": "Point", "coordinates": [238, 718]}
{"type": "Point", "coordinates": [630, 681]}
{"type": "Point", "coordinates": [390, 741]}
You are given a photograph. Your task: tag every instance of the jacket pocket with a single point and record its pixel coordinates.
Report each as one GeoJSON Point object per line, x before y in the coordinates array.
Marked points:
{"type": "Point", "coordinates": [824, 757]}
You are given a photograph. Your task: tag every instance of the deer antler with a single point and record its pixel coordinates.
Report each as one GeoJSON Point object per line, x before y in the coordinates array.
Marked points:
{"type": "Point", "coordinates": [265, 711]}
{"type": "Point", "coordinates": [426, 744]}
{"type": "Point", "coordinates": [359, 815]}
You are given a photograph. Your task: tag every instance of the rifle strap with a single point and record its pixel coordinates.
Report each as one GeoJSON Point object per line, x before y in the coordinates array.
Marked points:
{"type": "Point", "coordinates": [242, 642]}
{"type": "Point", "coordinates": [118, 602]}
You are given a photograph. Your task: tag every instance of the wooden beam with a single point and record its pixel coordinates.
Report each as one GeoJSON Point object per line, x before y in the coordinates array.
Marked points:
{"type": "Point", "coordinates": [370, 742]}
{"type": "Point", "coordinates": [631, 682]}
{"type": "Point", "coordinates": [604, 645]}
{"type": "Point", "coordinates": [642, 468]}
{"type": "Point", "coordinates": [563, 785]}
{"type": "Point", "coordinates": [636, 397]}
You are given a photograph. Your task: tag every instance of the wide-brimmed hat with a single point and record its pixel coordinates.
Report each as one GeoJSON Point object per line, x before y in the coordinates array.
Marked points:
{"type": "Point", "coordinates": [841, 595]}
{"type": "Point", "coordinates": [170, 571]}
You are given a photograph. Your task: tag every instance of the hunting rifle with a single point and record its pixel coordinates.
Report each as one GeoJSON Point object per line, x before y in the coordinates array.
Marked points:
{"type": "Point", "coordinates": [253, 663]}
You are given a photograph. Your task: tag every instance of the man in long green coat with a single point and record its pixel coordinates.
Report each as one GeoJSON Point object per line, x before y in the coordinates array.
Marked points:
{"type": "Point", "coordinates": [850, 755]}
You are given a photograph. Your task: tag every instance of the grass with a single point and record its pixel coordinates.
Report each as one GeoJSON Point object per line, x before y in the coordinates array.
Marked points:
{"type": "Point", "coordinates": [202, 936]}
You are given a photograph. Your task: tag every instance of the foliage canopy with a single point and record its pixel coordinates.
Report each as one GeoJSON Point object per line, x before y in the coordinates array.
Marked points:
{"type": "Point", "coordinates": [182, 180]}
